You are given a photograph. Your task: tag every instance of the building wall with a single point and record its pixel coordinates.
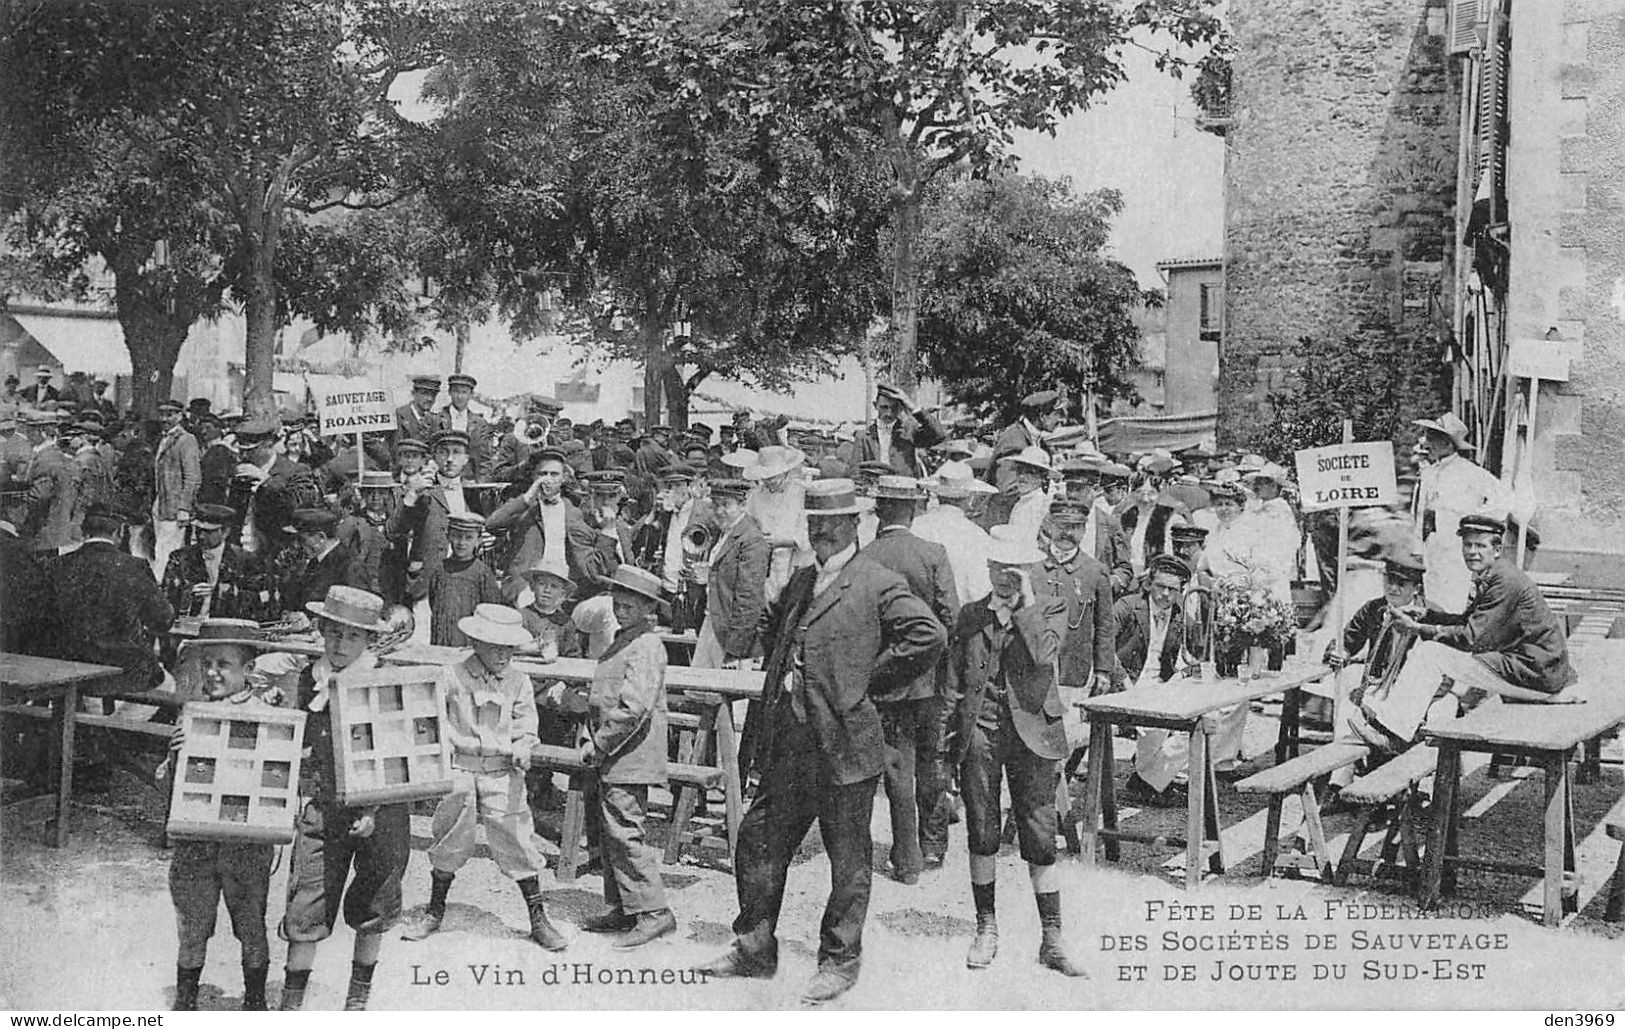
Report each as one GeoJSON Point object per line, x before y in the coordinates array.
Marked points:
{"type": "Point", "coordinates": [1566, 203]}
{"type": "Point", "coordinates": [1189, 386]}
{"type": "Point", "coordinates": [1340, 190]}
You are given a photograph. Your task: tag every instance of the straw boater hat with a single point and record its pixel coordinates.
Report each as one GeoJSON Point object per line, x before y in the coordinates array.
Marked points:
{"type": "Point", "coordinates": [960, 448]}
{"type": "Point", "coordinates": [772, 461]}
{"type": "Point", "coordinates": [741, 459]}
{"type": "Point", "coordinates": [825, 497]}
{"type": "Point", "coordinates": [349, 605]}
{"type": "Point", "coordinates": [898, 487]}
{"type": "Point", "coordinates": [1449, 425]}
{"type": "Point", "coordinates": [376, 480]}
{"type": "Point", "coordinates": [633, 579]}
{"type": "Point", "coordinates": [1032, 457]}
{"type": "Point", "coordinates": [1012, 545]}
{"type": "Point", "coordinates": [497, 624]}
{"type": "Point", "coordinates": [958, 481]}
{"type": "Point", "coordinates": [220, 632]}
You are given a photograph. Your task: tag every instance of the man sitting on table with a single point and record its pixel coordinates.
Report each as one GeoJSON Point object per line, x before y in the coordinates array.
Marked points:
{"type": "Point", "coordinates": [1151, 628]}
{"type": "Point", "coordinates": [1507, 642]}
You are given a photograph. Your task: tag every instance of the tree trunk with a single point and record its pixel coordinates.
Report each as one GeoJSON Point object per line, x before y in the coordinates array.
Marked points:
{"type": "Point", "coordinates": [259, 309]}
{"type": "Point", "coordinates": [676, 388]}
{"type": "Point", "coordinates": [153, 337]}
{"type": "Point", "coordinates": [905, 304]}
{"type": "Point", "coordinates": [654, 364]}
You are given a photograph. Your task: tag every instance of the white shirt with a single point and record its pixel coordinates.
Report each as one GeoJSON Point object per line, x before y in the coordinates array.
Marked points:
{"type": "Point", "coordinates": [211, 561]}
{"type": "Point", "coordinates": [966, 544]}
{"type": "Point", "coordinates": [1154, 643]}
{"type": "Point", "coordinates": [883, 431]}
{"type": "Point", "coordinates": [674, 545]}
{"type": "Point", "coordinates": [551, 517]}
{"type": "Point", "coordinates": [457, 420]}
{"type": "Point", "coordinates": [830, 570]}
{"type": "Point", "coordinates": [455, 502]}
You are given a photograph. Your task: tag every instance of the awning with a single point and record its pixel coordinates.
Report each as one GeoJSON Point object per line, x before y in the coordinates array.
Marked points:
{"type": "Point", "coordinates": [81, 344]}
{"type": "Point", "coordinates": [1166, 432]}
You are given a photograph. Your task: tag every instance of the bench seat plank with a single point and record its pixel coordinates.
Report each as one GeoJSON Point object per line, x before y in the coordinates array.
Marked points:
{"type": "Point", "coordinates": [1385, 783]}
{"type": "Point", "coordinates": [1294, 773]}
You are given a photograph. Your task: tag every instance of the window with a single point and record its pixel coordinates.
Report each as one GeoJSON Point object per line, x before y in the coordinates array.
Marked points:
{"type": "Point", "coordinates": [1208, 316]}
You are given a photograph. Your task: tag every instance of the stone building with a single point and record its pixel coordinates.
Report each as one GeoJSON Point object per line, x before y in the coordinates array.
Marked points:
{"type": "Point", "coordinates": [1340, 198]}
{"type": "Point", "coordinates": [1193, 315]}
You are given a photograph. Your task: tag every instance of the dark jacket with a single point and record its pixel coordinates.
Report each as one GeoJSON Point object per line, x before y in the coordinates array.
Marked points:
{"type": "Point", "coordinates": [25, 598]}
{"type": "Point", "coordinates": [1132, 616]}
{"type": "Point", "coordinates": [1112, 550]}
{"type": "Point", "coordinates": [108, 611]}
{"type": "Point", "coordinates": [1509, 627]}
{"type": "Point", "coordinates": [1089, 643]}
{"type": "Point", "coordinates": [411, 425]}
{"type": "Point", "coordinates": [1028, 663]}
{"type": "Point", "coordinates": [866, 633]}
{"type": "Point", "coordinates": [338, 567]}
{"type": "Point", "coordinates": [924, 566]}
{"type": "Point", "coordinates": [242, 590]}
{"type": "Point", "coordinates": [909, 435]}
{"type": "Point", "coordinates": [736, 590]}
{"type": "Point", "coordinates": [527, 543]}
{"type": "Point", "coordinates": [217, 465]}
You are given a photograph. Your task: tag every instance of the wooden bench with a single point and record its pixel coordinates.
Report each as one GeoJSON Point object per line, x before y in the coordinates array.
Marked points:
{"type": "Point", "coordinates": [1300, 775]}
{"type": "Point", "coordinates": [568, 760]}
{"type": "Point", "coordinates": [1390, 795]}
{"type": "Point", "coordinates": [1615, 821]}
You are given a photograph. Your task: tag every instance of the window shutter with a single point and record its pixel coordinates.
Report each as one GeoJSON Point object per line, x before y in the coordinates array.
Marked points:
{"type": "Point", "coordinates": [1463, 26]}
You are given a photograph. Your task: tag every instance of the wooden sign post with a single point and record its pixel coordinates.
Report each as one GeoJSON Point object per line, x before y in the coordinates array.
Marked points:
{"type": "Point", "coordinates": [237, 777]}
{"type": "Point", "coordinates": [1533, 359]}
{"type": "Point", "coordinates": [1347, 475]}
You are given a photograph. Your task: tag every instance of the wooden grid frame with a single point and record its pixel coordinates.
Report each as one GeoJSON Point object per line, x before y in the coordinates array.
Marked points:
{"type": "Point", "coordinates": [237, 777]}
{"type": "Point", "coordinates": [390, 742]}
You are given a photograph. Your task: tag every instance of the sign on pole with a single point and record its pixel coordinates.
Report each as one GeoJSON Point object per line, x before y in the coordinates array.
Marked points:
{"type": "Point", "coordinates": [1347, 475]}
{"type": "Point", "coordinates": [361, 408]}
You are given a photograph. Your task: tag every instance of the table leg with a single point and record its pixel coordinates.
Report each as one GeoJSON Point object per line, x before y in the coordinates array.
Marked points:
{"type": "Point", "coordinates": [1557, 806]}
{"type": "Point", "coordinates": [1196, 815]}
{"type": "Point", "coordinates": [1100, 742]}
{"type": "Point", "coordinates": [60, 758]}
{"type": "Point", "coordinates": [728, 758]}
{"type": "Point", "coordinates": [1444, 799]}
{"type": "Point", "coordinates": [1286, 741]}
{"type": "Point", "coordinates": [1210, 821]}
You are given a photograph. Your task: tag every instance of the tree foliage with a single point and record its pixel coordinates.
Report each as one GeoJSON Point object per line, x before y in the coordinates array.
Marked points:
{"type": "Point", "coordinates": [578, 156]}
{"type": "Point", "coordinates": [1017, 293]}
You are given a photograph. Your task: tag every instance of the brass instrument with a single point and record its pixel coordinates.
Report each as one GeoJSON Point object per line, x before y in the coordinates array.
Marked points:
{"type": "Point", "coordinates": [649, 541]}
{"type": "Point", "coordinates": [697, 544]}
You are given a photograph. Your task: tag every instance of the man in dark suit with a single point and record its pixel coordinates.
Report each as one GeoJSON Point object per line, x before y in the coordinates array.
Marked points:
{"type": "Point", "coordinates": [1506, 643]}
{"type": "Point", "coordinates": [416, 418]}
{"type": "Point", "coordinates": [1006, 725]}
{"type": "Point", "coordinates": [1100, 534]}
{"type": "Point", "coordinates": [215, 577]}
{"type": "Point", "coordinates": [900, 430]}
{"type": "Point", "coordinates": [735, 583]}
{"type": "Point", "coordinates": [1150, 630]}
{"type": "Point", "coordinates": [108, 607]}
{"type": "Point", "coordinates": [541, 523]}
{"type": "Point", "coordinates": [1082, 583]}
{"type": "Point", "coordinates": [457, 417]}
{"type": "Point", "coordinates": [217, 464]}
{"type": "Point", "coordinates": [1038, 415]}
{"type": "Point", "coordinates": [269, 487]}
{"type": "Point", "coordinates": [331, 563]}
{"type": "Point", "coordinates": [518, 451]}
{"type": "Point", "coordinates": [24, 614]}
{"type": "Point", "coordinates": [912, 717]}
{"type": "Point", "coordinates": [841, 630]}
{"type": "Point", "coordinates": [41, 390]}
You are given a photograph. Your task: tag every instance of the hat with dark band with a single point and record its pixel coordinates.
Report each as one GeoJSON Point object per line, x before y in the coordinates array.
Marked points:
{"type": "Point", "coordinates": [212, 516]}
{"type": "Point", "coordinates": [1069, 511]}
{"type": "Point", "coordinates": [313, 519]}
{"type": "Point", "coordinates": [1187, 534]}
{"type": "Point", "coordinates": [898, 487]}
{"type": "Point", "coordinates": [733, 489]}
{"type": "Point", "coordinates": [411, 444]}
{"type": "Point", "coordinates": [1481, 523]}
{"type": "Point", "coordinates": [350, 605]}
{"type": "Point", "coordinates": [827, 497]}
{"type": "Point", "coordinates": [376, 481]}
{"type": "Point", "coordinates": [1406, 567]}
{"type": "Point", "coordinates": [677, 471]}
{"type": "Point", "coordinates": [465, 522]}
{"type": "Point", "coordinates": [171, 405]}
{"type": "Point", "coordinates": [607, 482]}
{"type": "Point", "coordinates": [461, 380]}
{"type": "Point", "coordinates": [1169, 565]}
{"type": "Point", "coordinates": [235, 632]}
{"type": "Point", "coordinates": [450, 436]}
{"type": "Point", "coordinates": [425, 384]}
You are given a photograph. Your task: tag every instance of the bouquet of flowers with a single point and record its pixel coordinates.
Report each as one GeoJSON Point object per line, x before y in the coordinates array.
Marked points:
{"type": "Point", "coordinates": [1246, 615]}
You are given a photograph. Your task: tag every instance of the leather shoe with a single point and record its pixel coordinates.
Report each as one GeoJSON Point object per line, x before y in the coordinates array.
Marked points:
{"type": "Point", "coordinates": [826, 986]}
{"type": "Point", "coordinates": [985, 947]}
{"type": "Point", "coordinates": [612, 921]}
{"type": "Point", "coordinates": [648, 927]}
{"type": "Point", "coordinates": [1052, 954]}
{"type": "Point", "coordinates": [734, 963]}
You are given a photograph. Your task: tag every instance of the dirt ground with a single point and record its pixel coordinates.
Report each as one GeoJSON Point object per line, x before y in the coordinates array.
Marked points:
{"type": "Point", "coordinates": [90, 927]}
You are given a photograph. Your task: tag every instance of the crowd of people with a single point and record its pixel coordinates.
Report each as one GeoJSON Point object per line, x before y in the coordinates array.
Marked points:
{"type": "Point", "coordinates": [927, 603]}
